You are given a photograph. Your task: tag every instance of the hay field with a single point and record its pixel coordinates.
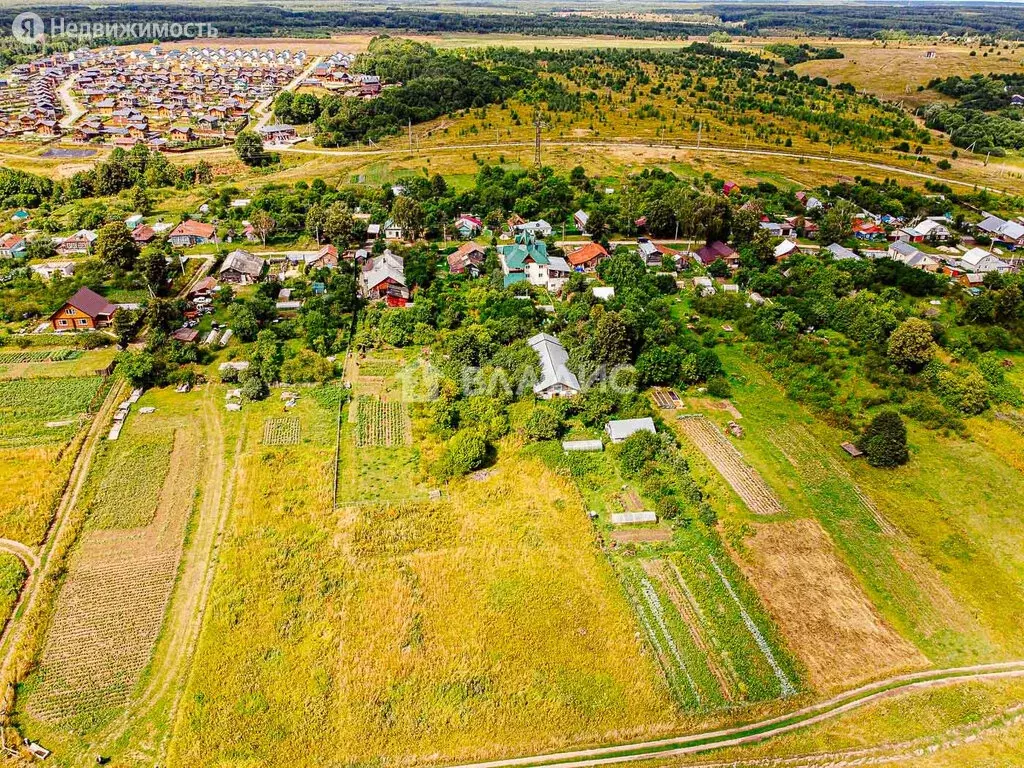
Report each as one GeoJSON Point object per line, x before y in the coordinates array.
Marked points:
{"type": "Point", "coordinates": [138, 500]}
{"type": "Point", "coordinates": [895, 71]}
{"type": "Point", "coordinates": [483, 623]}
{"type": "Point", "coordinates": [830, 624]}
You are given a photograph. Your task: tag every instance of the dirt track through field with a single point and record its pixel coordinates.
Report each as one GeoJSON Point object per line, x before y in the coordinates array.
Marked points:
{"type": "Point", "coordinates": [752, 733]}
{"type": "Point", "coordinates": [744, 479]}
{"type": "Point", "coordinates": [184, 619]}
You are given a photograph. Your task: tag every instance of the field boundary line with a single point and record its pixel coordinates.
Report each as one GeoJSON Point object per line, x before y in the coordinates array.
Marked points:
{"type": "Point", "coordinates": [759, 731]}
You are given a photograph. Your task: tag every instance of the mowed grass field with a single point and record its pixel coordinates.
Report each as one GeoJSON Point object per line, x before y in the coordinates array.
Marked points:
{"type": "Point", "coordinates": [935, 545]}
{"type": "Point", "coordinates": [484, 622]}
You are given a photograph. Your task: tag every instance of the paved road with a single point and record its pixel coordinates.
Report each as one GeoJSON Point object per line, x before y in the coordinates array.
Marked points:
{"type": "Point", "coordinates": [759, 731]}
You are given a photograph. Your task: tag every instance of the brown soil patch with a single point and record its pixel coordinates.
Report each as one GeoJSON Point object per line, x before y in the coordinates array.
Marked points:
{"type": "Point", "coordinates": [828, 621]}
{"type": "Point", "coordinates": [640, 535]}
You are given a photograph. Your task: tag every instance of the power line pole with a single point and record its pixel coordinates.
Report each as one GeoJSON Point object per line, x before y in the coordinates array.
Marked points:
{"type": "Point", "coordinates": [410, 133]}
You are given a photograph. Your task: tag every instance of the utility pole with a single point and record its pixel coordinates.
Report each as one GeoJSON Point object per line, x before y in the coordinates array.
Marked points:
{"type": "Point", "coordinates": [410, 133]}
{"type": "Point", "coordinates": [700, 127]}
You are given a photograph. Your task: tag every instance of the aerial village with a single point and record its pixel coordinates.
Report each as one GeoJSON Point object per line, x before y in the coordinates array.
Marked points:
{"type": "Point", "coordinates": [169, 100]}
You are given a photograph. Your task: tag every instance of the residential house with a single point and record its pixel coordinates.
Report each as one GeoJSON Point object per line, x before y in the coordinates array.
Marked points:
{"type": "Point", "coordinates": [190, 232]}
{"type": "Point", "coordinates": [48, 269]}
{"type": "Point", "coordinates": [468, 258]}
{"type": "Point", "coordinates": [980, 261]}
{"type": "Point", "coordinates": [1010, 233]}
{"type": "Point", "coordinates": [775, 229]}
{"type": "Point", "coordinates": [383, 279]}
{"type": "Point", "coordinates": [241, 268]}
{"type": "Point", "coordinates": [468, 226]}
{"type": "Point", "coordinates": [580, 219]}
{"type": "Point", "coordinates": [392, 231]}
{"type": "Point", "coordinates": [326, 258]}
{"type": "Point", "coordinates": [932, 230]}
{"type": "Point", "coordinates": [654, 254]}
{"type": "Point", "coordinates": [278, 134]}
{"type": "Point", "coordinates": [539, 228]}
{"type": "Point", "coordinates": [84, 311]}
{"type": "Point", "coordinates": [143, 233]}
{"type": "Point", "coordinates": [785, 249]}
{"type": "Point", "coordinates": [78, 243]}
{"type": "Point", "coordinates": [528, 260]}
{"type": "Point", "coordinates": [839, 253]}
{"type": "Point", "coordinates": [718, 250]}
{"type": "Point", "coordinates": [729, 187]}
{"type": "Point", "coordinates": [912, 257]}
{"type": "Point", "coordinates": [587, 258]}
{"type": "Point", "coordinates": [556, 380]}
{"type": "Point", "coordinates": [12, 245]}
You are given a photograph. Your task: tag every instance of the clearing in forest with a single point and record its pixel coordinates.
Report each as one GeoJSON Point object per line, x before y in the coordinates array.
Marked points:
{"type": "Point", "coordinates": [744, 479]}
{"type": "Point", "coordinates": [828, 621]}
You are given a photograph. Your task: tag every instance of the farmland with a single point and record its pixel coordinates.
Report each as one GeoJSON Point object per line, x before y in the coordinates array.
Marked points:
{"type": "Point", "coordinates": [952, 613]}
{"type": "Point", "coordinates": [137, 502]}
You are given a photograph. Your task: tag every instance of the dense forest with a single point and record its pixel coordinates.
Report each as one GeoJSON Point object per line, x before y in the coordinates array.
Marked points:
{"type": "Point", "coordinates": [983, 116]}
{"type": "Point", "coordinates": [866, 21]}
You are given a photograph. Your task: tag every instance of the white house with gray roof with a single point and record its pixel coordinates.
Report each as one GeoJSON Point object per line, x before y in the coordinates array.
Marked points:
{"type": "Point", "coordinates": [556, 380]}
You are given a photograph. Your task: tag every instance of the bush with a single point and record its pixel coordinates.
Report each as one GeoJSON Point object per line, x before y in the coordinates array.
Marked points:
{"type": "Point", "coordinates": [465, 452]}
{"type": "Point", "coordinates": [543, 424]}
{"type": "Point", "coordinates": [637, 451]}
{"type": "Point", "coordinates": [885, 440]}
{"type": "Point", "coordinates": [718, 386]}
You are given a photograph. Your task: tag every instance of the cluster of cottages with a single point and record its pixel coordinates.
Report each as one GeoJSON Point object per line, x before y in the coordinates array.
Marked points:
{"type": "Point", "coordinates": [167, 98]}
{"type": "Point", "coordinates": [30, 104]}
{"type": "Point", "coordinates": [333, 74]}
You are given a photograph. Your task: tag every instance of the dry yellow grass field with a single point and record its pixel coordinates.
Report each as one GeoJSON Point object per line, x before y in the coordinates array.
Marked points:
{"type": "Point", "coordinates": [484, 623]}
{"type": "Point", "coordinates": [829, 622]}
{"type": "Point", "coordinates": [895, 71]}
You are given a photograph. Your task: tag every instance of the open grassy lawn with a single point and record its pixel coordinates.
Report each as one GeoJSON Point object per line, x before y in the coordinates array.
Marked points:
{"type": "Point", "coordinates": [483, 623]}
{"type": "Point", "coordinates": [936, 545]}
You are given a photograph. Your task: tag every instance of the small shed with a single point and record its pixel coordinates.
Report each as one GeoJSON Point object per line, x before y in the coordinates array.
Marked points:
{"type": "Point", "coordinates": [582, 445]}
{"type": "Point", "coordinates": [633, 518]}
{"type": "Point", "coordinates": [621, 429]}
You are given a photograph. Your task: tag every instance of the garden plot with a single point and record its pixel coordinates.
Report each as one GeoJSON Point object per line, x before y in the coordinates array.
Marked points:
{"type": "Point", "coordinates": [38, 356]}
{"type": "Point", "coordinates": [281, 431]}
{"type": "Point", "coordinates": [679, 649]}
{"type": "Point", "coordinates": [39, 422]}
{"type": "Point", "coordinates": [28, 406]}
{"type": "Point", "coordinates": [827, 620]}
{"type": "Point", "coordinates": [744, 479]}
{"type": "Point", "coordinates": [824, 470]}
{"type": "Point", "coordinates": [381, 422]}
{"type": "Point", "coordinates": [111, 607]}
